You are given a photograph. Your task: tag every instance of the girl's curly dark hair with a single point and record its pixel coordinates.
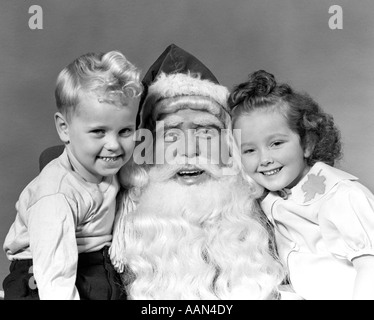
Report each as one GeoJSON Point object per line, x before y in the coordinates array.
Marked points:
{"type": "Point", "coordinates": [304, 116]}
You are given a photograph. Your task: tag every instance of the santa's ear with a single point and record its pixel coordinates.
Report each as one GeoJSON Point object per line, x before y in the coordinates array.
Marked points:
{"type": "Point", "coordinates": [62, 127]}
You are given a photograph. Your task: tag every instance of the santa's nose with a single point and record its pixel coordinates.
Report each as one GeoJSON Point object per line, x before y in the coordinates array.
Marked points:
{"type": "Point", "coordinates": [190, 149]}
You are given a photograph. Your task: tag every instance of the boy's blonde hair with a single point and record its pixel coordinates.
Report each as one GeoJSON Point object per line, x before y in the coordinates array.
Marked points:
{"type": "Point", "coordinates": [109, 75]}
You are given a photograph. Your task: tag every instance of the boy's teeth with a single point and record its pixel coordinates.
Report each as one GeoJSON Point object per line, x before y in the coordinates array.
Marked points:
{"type": "Point", "coordinates": [109, 158]}
{"type": "Point", "coordinates": [271, 172]}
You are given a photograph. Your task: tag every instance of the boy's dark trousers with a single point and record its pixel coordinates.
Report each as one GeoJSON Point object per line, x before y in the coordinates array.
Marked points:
{"type": "Point", "coordinates": [96, 279]}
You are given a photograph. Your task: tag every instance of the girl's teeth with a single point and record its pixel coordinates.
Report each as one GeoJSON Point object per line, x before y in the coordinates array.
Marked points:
{"type": "Point", "coordinates": [271, 172]}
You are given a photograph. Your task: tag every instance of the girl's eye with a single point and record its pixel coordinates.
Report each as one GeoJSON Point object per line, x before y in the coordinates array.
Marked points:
{"type": "Point", "coordinates": [248, 151]}
{"type": "Point", "coordinates": [277, 143]}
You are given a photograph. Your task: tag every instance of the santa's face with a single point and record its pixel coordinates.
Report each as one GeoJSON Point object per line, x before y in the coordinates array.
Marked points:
{"type": "Point", "coordinates": [191, 138]}
{"type": "Point", "coordinates": [192, 220]}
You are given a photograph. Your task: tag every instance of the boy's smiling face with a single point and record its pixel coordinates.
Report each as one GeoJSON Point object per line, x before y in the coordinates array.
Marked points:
{"type": "Point", "coordinates": [100, 136]}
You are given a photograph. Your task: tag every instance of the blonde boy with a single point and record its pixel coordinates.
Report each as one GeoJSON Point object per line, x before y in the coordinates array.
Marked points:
{"type": "Point", "coordinates": [59, 239]}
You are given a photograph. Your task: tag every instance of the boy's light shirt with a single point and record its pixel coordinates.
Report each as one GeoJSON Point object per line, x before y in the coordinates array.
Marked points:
{"type": "Point", "coordinates": [326, 221]}
{"type": "Point", "coordinates": [59, 215]}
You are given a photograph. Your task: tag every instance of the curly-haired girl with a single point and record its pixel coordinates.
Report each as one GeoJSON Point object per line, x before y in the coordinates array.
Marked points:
{"type": "Point", "coordinates": [323, 217]}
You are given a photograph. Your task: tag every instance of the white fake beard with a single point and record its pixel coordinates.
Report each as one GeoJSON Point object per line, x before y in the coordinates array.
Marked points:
{"type": "Point", "coordinates": [197, 203]}
{"type": "Point", "coordinates": [203, 241]}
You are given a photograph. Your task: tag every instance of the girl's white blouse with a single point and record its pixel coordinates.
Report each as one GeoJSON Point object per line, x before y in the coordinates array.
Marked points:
{"type": "Point", "coordinates": [321, 225]}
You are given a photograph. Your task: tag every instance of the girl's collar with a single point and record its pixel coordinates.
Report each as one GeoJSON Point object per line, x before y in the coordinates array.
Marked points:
{"type": "Point", "coordinates": [320, 179]}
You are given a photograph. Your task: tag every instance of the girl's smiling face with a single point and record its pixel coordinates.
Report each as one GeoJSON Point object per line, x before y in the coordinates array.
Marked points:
{"type": "Point", "coordinates": [271, 152]}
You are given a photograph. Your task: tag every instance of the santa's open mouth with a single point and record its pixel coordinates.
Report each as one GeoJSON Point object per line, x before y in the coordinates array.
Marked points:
{"type": "Point", "coordinates": [191, 176]}
{"type": "Point", "coordinates": [190, 173]}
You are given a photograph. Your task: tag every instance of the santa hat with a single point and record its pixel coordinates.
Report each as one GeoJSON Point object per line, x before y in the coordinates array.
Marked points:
{"type": "Point", "coordinates": [177, 73]}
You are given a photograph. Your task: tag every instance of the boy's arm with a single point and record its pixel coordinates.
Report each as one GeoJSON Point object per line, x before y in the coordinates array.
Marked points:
{"type": "Point", "coordinates": [54, 248]}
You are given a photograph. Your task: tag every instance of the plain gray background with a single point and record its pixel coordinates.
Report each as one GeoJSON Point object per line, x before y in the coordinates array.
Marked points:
{"type": "Point", "coordinates": [289, 38]}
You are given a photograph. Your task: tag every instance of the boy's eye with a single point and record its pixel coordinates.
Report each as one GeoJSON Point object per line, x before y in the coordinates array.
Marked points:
{"type": "Point", "coordinates": [126, 132]}
{"type": "Point", "coordinates": [98, 132]}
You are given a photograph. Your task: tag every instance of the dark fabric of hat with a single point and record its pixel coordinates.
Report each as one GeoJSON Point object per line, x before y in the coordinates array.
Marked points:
{"type": "Point", "coordinates": [174, 60]}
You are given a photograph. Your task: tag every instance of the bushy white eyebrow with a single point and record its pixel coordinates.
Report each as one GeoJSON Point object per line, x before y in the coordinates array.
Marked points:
{"type": "Point", "coordinates": [176, 121]}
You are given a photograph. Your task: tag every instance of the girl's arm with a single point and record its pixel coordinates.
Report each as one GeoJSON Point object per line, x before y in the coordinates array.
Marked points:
{"type": "Point", "coordinates": [364, 284]}
{"type": "Point", "coordinates": [347, 226]}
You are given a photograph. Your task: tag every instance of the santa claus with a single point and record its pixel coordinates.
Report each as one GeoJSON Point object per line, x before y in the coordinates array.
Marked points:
{"type": "Point", "coordinates": [188, 225]}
